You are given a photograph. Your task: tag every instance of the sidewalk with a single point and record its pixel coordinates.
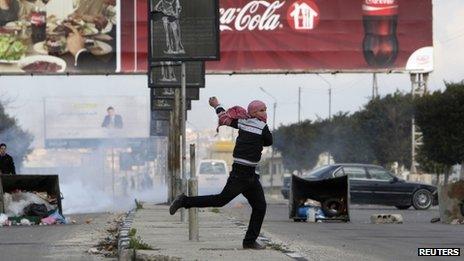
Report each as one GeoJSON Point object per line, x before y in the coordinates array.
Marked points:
{"type": "Point", "coordinates": [220, 237]}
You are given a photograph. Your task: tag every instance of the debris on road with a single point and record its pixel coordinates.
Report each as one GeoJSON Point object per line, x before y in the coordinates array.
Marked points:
{"type": "Point", "coordinates": [387, 219]}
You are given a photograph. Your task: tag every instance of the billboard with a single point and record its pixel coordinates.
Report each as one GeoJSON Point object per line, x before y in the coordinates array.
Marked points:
{"type": "Point", "coordinates": [268, 36]}
{"type": "Point", "coordinates": [324, 36]}
{"type": "Point", "coordinates": [111, 117]}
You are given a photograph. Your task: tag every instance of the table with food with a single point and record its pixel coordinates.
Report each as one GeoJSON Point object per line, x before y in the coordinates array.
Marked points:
{"type": "Point", "coordinates": [37, 42]}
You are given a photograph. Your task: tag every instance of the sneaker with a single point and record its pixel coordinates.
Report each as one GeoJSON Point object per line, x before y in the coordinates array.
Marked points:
{"type": "Point", "coordinates": [177, 203]}
{"type": "Point", "coordinates": [254, 245]}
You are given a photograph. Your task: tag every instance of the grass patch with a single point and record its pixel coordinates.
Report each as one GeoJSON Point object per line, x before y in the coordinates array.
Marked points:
{"type": "Point", "coordinates": [138, 205]}
{"type": "Point", "coordinates": [137, 243]}
{"type": "Point", "coordinates": [132, 232]}
{"type": "Point", "coordinates": [215, 210]}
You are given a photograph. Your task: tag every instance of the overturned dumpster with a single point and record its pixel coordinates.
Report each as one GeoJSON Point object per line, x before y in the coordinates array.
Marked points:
{"type": "Point", "coordinates": [451, 203]}
{"type": "Point", "coordinates": [31, 197]}
{"type": "Point", "coordinates": [332, 194]}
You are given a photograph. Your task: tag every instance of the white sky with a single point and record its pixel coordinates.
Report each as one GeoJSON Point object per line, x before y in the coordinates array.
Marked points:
{"type": "Point", "coordinates": [349, 91]}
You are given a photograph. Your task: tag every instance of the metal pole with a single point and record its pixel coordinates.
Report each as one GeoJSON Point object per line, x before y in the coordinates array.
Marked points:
{"type": "Point", "coordinates": [183, 133]}
{"type": "Point", "coordinates": [330, 118]}
{"type": "Point", "coordinates": [272, 152]}
{"type": "Point", "coordinates": [193, 191]}
{"type": "Point", "coordinates": [170, 173]}
{"type": "Point", "coordinates": [112, 172]}
{"type": "Point", "coordinates": [176, 141]}
{"type": "Point", "coordinates": [299, 104]}
{"type": "Point", "coordinates": [375, 86]}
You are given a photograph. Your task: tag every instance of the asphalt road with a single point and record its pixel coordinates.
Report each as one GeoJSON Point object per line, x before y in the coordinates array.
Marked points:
{"type": "Point", "coordinates": [359, 239]}
{"type": "Point", "coordinates": [56, 242]}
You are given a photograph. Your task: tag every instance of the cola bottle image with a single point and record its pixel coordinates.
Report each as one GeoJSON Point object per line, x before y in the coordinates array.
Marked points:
{"type": "Point", "coordinates": [38, 24]}
{"type": "Point", "coordinates": [380, 43]}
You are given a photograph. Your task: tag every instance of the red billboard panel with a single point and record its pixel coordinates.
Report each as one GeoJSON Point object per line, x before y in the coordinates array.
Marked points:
{"type": "Point", "coordinates": [268, 36]}
{"type": "Point", "coordinates": [324, 36]}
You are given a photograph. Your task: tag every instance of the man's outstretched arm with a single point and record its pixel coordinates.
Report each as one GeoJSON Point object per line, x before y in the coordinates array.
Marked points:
{"type": "Point", "coordinates": [220, 111]}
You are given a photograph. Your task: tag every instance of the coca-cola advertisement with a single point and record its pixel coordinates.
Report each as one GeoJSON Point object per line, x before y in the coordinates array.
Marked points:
{"type": "Point", "coordinates": [268, 36]}
{"type": "Point", "coordinates": [324, 36]}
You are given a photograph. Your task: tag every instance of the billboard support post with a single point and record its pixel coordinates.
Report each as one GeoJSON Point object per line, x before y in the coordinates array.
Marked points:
{"type": "Point", "coordinates": [183, 133]}
{"type": "Point", "coordinates": [418, 89]}
{"type": "Point", "coordinates": [170, 172]}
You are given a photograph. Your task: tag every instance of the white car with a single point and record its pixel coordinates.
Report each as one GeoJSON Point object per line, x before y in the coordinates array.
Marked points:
{"type": "Point", "coordinates": [212, 176]}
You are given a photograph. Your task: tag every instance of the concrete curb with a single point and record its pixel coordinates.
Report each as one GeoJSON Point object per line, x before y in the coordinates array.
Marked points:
{"type": "Point", "coordinates": [268, 241]}
{"type": "Point", "coordinates": [124, 253]}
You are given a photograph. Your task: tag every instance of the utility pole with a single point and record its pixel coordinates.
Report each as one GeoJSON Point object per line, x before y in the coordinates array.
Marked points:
{"type": "Point", "coordinates": [271, 169]}
{"type": "Point", "coordinates": [330, 108]}
{"type": "Point", "coordinates": [299, 104]}
{"type": "Point", "coordinates": [375, 86]}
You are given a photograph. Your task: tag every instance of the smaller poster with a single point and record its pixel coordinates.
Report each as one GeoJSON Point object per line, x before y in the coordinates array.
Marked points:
{"type": "Point", "coordinates": [184, 30]}
{"type": "Point", "coordinates": [168, 93]}
{"type": "Point", "coordinates": [168, 74]}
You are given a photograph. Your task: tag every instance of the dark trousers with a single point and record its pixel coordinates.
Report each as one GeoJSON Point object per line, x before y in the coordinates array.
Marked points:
{"type": "Point", "coordinates": [242, 180]}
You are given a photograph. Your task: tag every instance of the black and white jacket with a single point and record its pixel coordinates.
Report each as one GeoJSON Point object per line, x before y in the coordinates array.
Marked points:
{"type": "Point", "coordinates": [253, 134]}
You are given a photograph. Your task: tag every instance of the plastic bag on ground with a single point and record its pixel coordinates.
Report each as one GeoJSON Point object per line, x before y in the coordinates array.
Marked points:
{"type": "Point", "coordinates": [39, 210]}
{"type": "Point", "coordinates": [59, 218]}
{"type": "Point", "coordinates": [3, 219]}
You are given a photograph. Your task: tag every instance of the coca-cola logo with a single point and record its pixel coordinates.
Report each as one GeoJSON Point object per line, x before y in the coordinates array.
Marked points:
{"type": "Point", "coordinates": [251, 16]}
{"type": "Point", "coordinates": [303, 15]}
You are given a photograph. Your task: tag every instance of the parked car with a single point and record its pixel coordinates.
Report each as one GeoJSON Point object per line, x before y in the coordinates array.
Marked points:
{"type": "Point", "coordinates": [212, 176]}
{"type": "Point", "coordinates": [372, 184]}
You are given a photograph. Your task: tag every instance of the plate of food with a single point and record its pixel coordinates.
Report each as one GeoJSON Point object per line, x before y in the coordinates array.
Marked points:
{"type": "Point", "coordinates": [88, 29]}
{"type": "Point", "coordinates": [98, 47]}
{"type": "Point", "coordinates": [42, 64]}
{"type": "Point", "coordinates": [11, 50]}
{"type": "Point", "coordinates": [16, 25]}
{"type": "Point", "coordinates": [54, 45]}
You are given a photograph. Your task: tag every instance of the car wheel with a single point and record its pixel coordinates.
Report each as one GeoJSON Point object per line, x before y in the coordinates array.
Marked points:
{"type": "Point", "coordinates": [403, 207]}
{"type": "Point", "coordinates": [422, 199]}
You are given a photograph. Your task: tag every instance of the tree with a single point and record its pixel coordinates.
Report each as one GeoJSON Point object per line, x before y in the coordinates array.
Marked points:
{"type": "Point", "coordinates": [16, 139]}
{"type": "Point", "coordinates": [345, 141]}
{"type": "Point", "coordinates": [296, 142]}
{"type": "Point", "coordinates": [441, 120]}
{"type": "Point", "coordinates": [386, 126]}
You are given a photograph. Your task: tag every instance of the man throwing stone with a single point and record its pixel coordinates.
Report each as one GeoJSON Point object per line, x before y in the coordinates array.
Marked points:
{"type": "Point", "coordinates": [253, 134]}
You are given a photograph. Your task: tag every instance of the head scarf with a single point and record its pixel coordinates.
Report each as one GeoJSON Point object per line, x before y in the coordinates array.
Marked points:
{"type": "Point", "coordinates": [255, 106]}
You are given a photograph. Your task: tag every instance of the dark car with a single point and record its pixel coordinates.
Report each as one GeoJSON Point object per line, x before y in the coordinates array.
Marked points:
{"type": "Point", "coordinates": [372, 184]}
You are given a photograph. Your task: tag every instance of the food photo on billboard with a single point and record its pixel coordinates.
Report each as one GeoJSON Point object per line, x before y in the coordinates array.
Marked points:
{"type": "Point", "coordinates": [58, 37]}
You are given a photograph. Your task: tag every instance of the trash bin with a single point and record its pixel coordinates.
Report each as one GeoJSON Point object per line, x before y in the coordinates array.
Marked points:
{"type": "Point", "coordinates": [39, 183]}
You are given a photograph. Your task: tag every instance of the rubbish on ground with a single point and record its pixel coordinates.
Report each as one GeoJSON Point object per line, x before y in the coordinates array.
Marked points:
{"type": "Point", "coordinates": [48, 220]}
{"type": "Point", "coordinates": [39, 210]}
{"type": "Point", "coordinates": [3, 219]}
{"type": "Point", "coordinates": [88, 221]}
{"type": "Point", "coordinates": [387, 219]}
{"type": "Point", "coordinates": [16, 202]}
{"type": "Point", "coordinates": [457, 221]}
{"type": "Point", "coordinates": [435, 220]}
{"type": "Point", "coordinates": [59, 218]}
{"type": "Point", "coordinates": [25, 222]}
